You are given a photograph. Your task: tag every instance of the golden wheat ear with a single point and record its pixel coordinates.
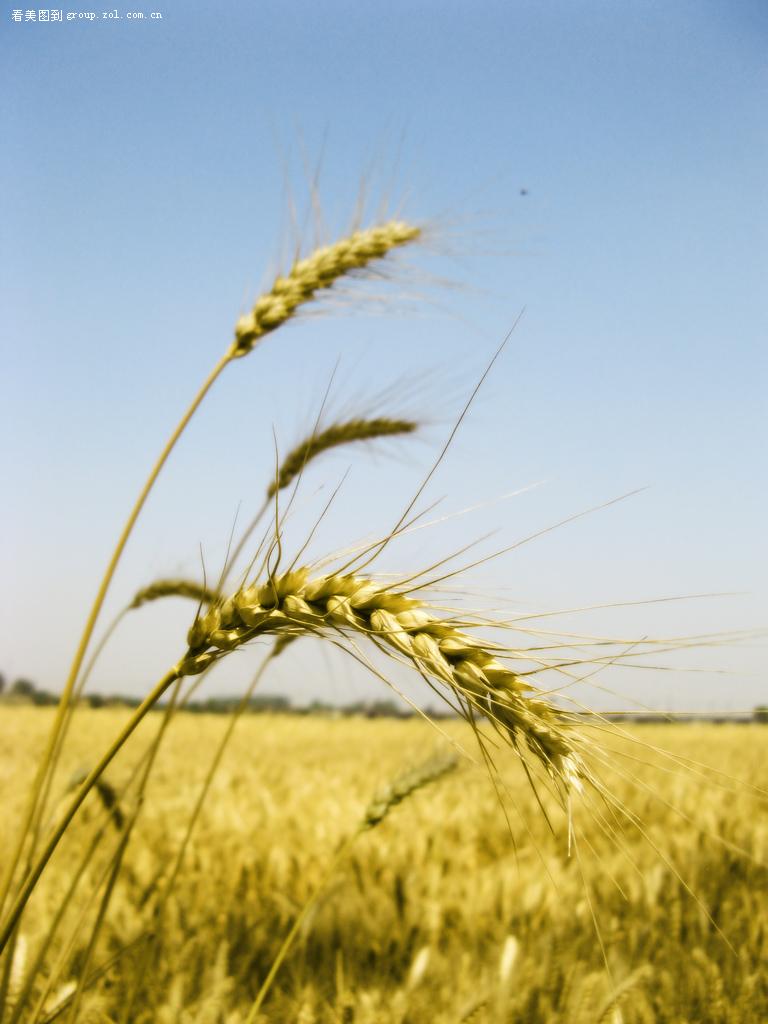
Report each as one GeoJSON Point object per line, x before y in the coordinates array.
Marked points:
{"type": "Point", "coordinates": [173, 588]}
{"type": "Point", "coordinates": [314, 274]}
{"type": "Point", "coordinates": [409, 630]}
{"type": "Point", "coordinates": [405, 785]}
{"type": "Point", "coordinates": [334, 436]}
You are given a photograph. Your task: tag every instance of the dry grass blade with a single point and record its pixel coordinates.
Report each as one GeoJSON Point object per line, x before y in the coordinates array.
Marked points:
{"type": "Point", "coordinates": [317, 272]}
{"type": "Point", "coordinates": [337, 434]}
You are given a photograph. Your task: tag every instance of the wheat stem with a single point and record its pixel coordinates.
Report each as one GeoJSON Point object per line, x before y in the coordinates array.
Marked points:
{"type": "Point", "coordinates": [96, 974]}
{"type": "Point", "coordinates": [68, 948]}
{"type": "Point", "coordinates": [53, 927]}
{"type": "Point", "coordinates": [301, 917]}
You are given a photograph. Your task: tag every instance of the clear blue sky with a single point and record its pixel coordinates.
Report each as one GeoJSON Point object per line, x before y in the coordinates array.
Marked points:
{"type": "Point", "coordinates": [142, 181]}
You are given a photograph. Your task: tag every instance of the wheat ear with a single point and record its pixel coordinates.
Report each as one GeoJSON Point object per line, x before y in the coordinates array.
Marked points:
{"type": "Point", "coordinates": [406, 784]}
{"type": "Point", "coordinates": [173, 588]}
{"type": "Point", "coordinates": [295, 603]}
{"type": "Point", "coordinates": [337, 434]}
{"type": "Point", "coordinates": [296, 461]}
{"type": "Point", "coordinates": [317, 272]}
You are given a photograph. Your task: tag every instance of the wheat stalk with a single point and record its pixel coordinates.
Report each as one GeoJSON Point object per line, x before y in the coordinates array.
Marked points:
{"type": "Point", "coordinates": [315, 273]}
{"type": "Point", "coordinates": [17, 969]}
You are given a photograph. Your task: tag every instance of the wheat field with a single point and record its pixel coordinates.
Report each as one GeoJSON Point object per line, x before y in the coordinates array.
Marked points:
{"type": "Point", "coordinates": [443, 912]}
{"type": "Point", "coordinates": [516, 859]}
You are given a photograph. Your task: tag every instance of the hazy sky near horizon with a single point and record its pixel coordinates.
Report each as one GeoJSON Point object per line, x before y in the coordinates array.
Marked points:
{"type": "Point", "coordinates": [602, 165]}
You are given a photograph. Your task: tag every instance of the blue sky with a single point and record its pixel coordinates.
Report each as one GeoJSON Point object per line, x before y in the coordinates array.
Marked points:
{"type": "Point", "coordinates": [142, 196]}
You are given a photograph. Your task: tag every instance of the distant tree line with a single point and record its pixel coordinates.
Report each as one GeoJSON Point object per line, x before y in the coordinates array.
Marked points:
{"type": "Point", "coordinates": [22, 691]}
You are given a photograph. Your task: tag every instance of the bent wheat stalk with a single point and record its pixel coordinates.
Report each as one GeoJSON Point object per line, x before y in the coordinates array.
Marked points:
{"type": "Point", "coordinates": [145, 966]}
{"type": "Point", "coordinates": [33, 875]}
{"type": "Point", "coordinates": [309, 276]}
{"type": "Point", "coordinates": [154, 592]}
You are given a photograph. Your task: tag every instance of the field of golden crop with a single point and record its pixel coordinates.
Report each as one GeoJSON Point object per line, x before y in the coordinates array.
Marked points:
{"type": "Point", "coordinates": [442, 913]}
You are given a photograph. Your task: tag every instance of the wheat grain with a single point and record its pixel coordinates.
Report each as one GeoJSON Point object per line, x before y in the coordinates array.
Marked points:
{"type": "Point", "coordinates": [317, 272]}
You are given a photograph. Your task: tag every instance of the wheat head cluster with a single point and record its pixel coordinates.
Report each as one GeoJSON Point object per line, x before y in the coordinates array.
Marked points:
{"type": "Point", "coordinates": [295, 603]}
{"type": "Point", "coordinates": [75, 947]}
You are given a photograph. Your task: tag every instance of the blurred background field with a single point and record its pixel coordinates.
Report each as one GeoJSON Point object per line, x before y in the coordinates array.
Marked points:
{"type": "Point", "coordinates": [438, 914]}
